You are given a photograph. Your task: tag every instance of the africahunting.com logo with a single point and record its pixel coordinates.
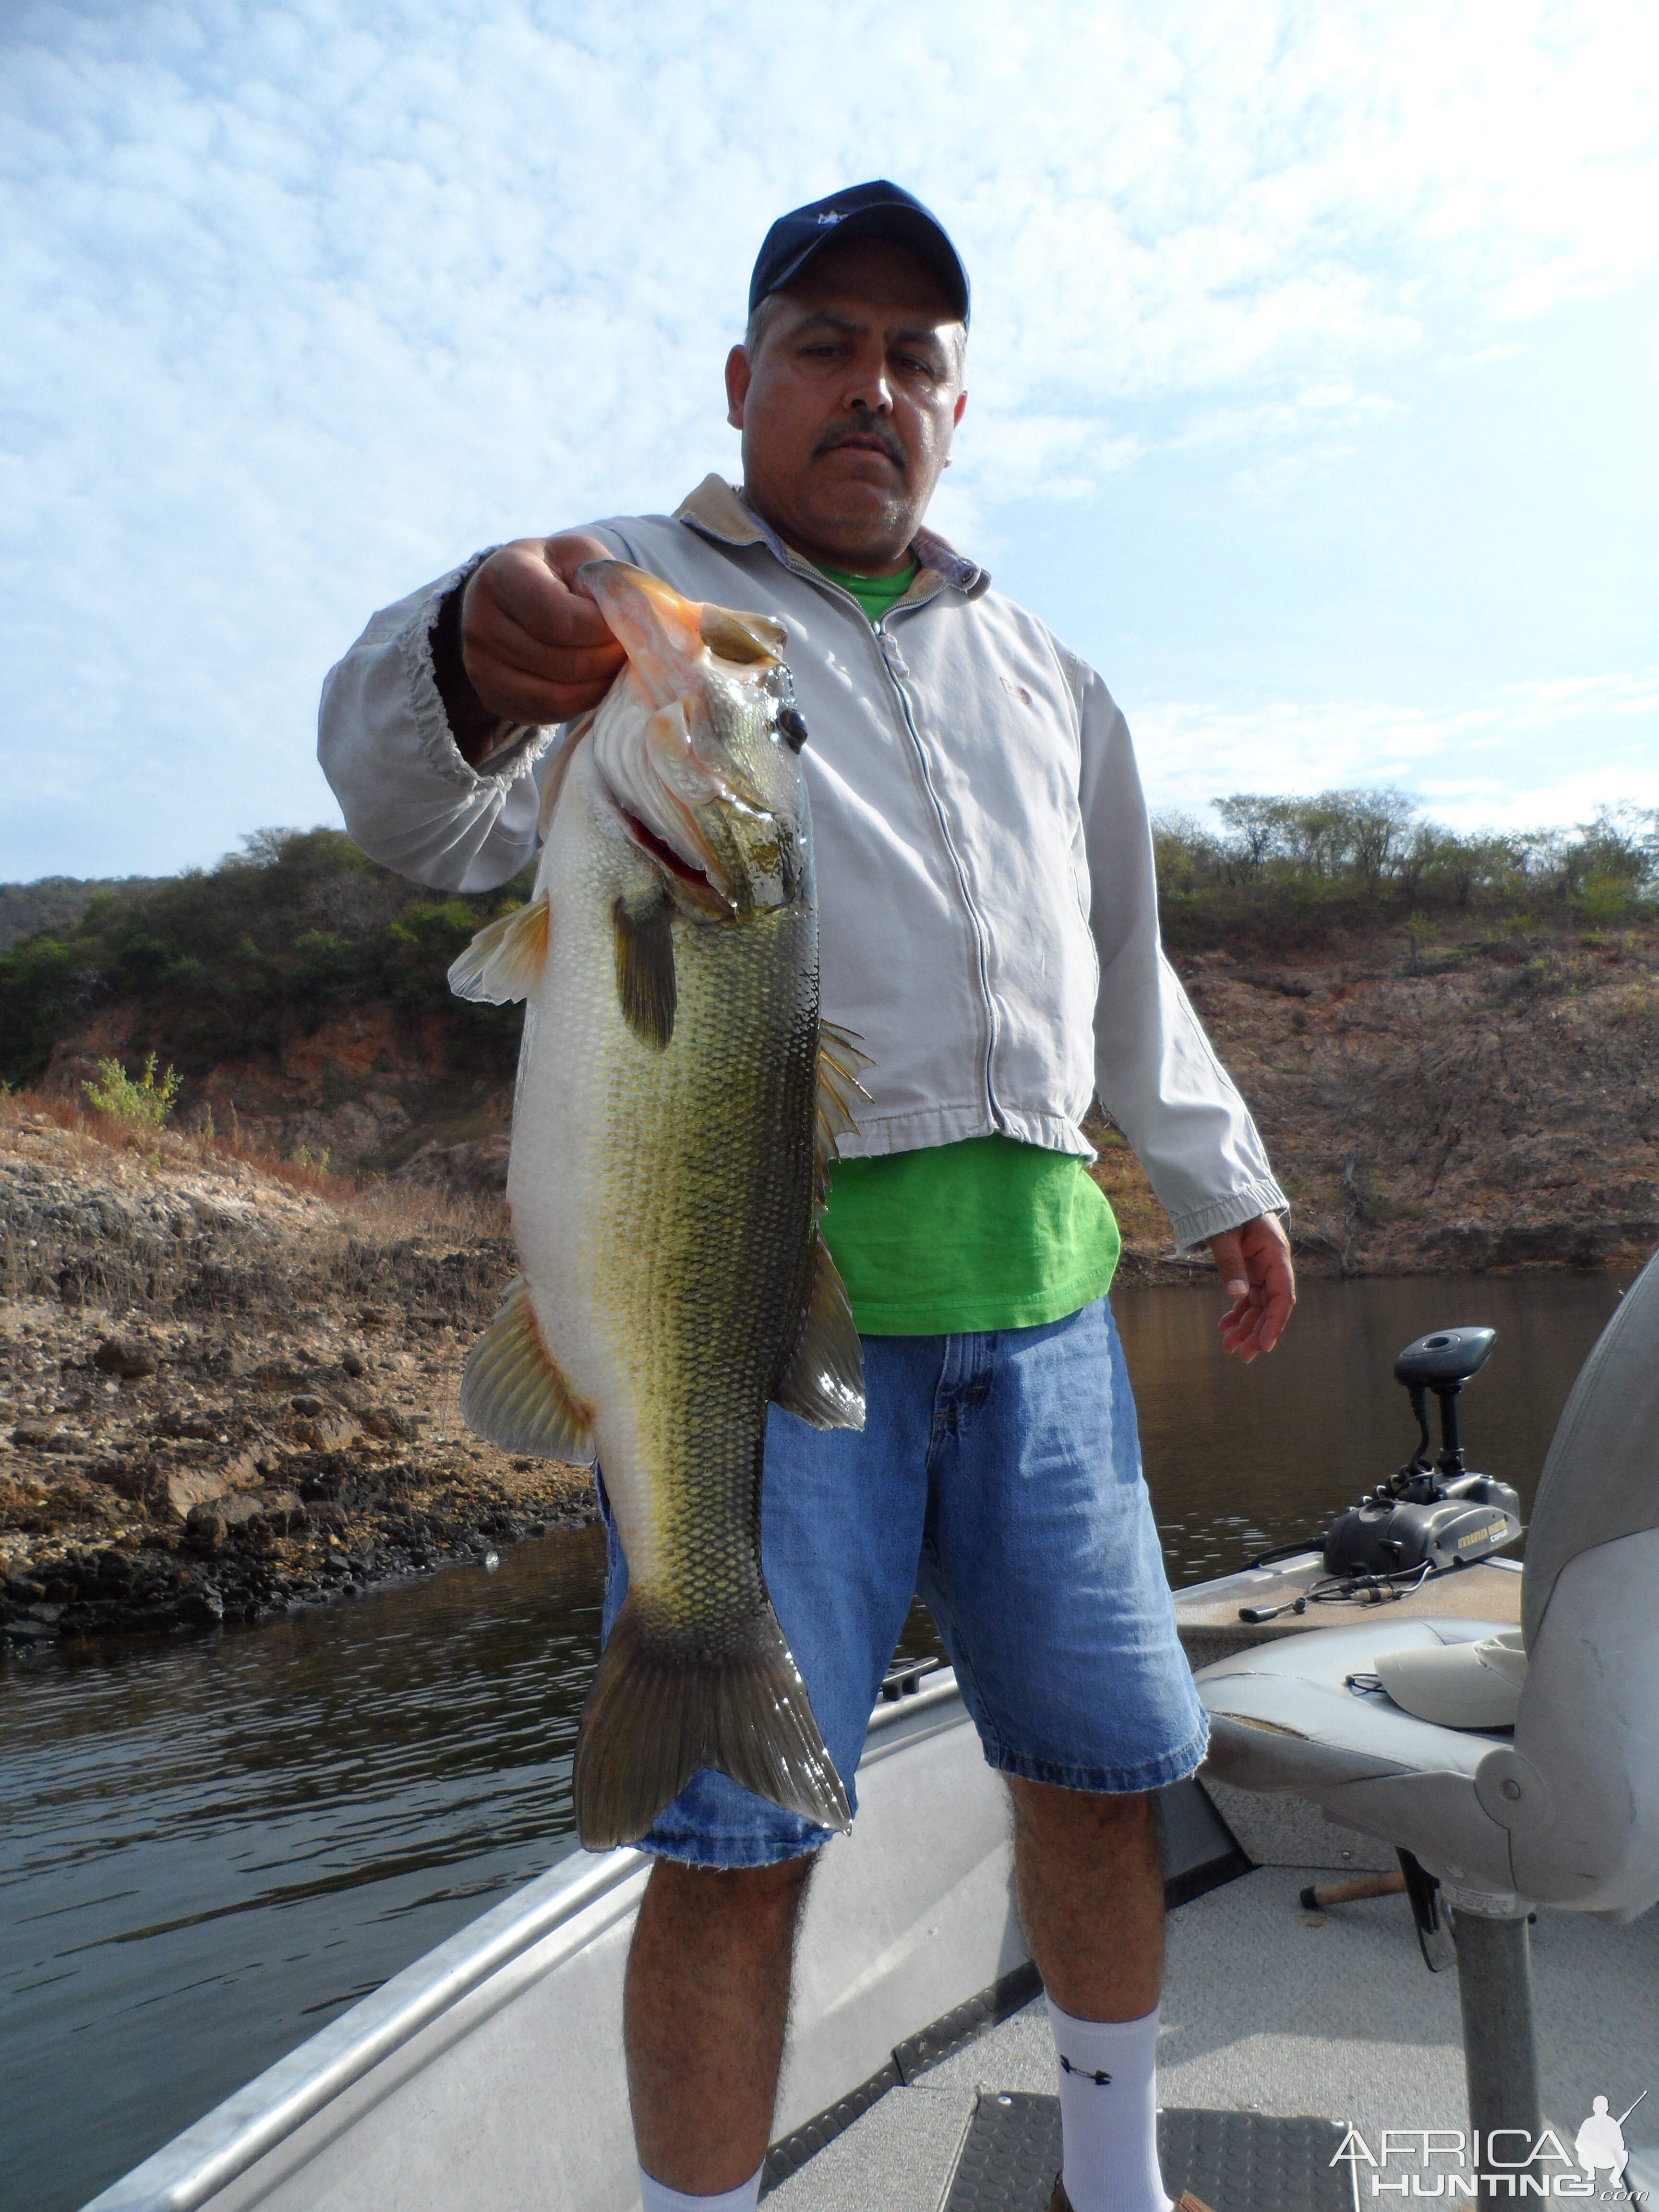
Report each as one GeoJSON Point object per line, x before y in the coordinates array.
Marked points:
{"type": "Point", "coordinates": [1507, 2162]}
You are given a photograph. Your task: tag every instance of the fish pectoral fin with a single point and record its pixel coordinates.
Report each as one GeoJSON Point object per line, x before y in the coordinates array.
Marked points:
{"type": "Point", "coordinates": [824, 1383]}
{"type": "Point", "coordinates": [513, 1395]}
{"type": "Point", "coordinates": [657, 1711]}
{"type": "Point", "coordinates": [505, 958]}
{"type": "Point", "coordinates": [645, 970]}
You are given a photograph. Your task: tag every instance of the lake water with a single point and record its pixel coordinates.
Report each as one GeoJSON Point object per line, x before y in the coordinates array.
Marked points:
{"type": "Point", "coordinates": [208, 1849]}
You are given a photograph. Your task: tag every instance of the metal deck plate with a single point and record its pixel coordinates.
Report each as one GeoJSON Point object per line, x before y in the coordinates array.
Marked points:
{"type": "Point", "coordinates": [1233, 2161]}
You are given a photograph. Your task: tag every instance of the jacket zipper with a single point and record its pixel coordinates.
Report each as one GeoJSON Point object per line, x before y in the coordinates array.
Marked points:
{"type": "Point", "coordinates": [981, 940]}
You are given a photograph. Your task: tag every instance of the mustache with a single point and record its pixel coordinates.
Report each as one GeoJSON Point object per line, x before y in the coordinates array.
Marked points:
{"type": "Point", "coordinates": [861, 425]}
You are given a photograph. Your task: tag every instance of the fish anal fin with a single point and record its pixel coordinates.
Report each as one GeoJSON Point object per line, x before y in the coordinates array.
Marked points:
{"type": "Point", "coordinates": [824, 1383]}
{"type": "Point", "coordinates": [657, 1711]}
{"type": "Point", "coordinates": [646, 985]}
{"type": "Point", "coordinates": [513, 1395]}
{"type": "Point", "coordinates": [505, 958]}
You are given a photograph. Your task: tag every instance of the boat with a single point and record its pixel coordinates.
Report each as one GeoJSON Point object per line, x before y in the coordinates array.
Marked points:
{"type": "Point", "coordinates": [1313, 2051]}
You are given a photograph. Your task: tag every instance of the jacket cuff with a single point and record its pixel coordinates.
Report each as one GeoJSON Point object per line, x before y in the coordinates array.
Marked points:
{"type": "Point", "coordinates": [517, 743]}
{"type": "Point", "coordinates": [1200, 1223]}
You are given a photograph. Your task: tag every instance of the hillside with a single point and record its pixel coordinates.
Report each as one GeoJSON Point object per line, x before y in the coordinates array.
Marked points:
{"type": "Point", "coordinates": [51, 901]}
{"type": "Point", "coordinates": [1450, 1044]}
{"type": "Point", "coordinates": [228, 1387]}
{"type": "Point", "coordinates": [230, 1348]}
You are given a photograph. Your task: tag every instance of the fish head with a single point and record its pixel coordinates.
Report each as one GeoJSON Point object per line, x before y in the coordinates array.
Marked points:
{"type": "Point", "coordinates": [696, 743]}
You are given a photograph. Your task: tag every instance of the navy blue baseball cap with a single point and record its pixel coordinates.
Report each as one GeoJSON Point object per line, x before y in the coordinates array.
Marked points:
{"type": "Point", "coordinates": [873, 211]}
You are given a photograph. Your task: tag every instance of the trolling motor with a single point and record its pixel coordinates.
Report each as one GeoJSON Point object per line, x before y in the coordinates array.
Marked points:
{"type": "Point", "coordinates": [1430, 1517]}
{"type": "Point", "coordinates": [1432, 1514]}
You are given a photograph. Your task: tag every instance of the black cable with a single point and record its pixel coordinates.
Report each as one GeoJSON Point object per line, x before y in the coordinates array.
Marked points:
{"type": "Point", "coordinates": [1345, 1589]}
{"type": "Point", "coordinates": [1377, 1589]}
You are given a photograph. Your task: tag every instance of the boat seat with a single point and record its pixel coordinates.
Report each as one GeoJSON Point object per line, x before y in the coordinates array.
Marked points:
{"type": "Point", "coordinates": [1283, 1717]}
{"type": "Point", "coordinates": [1562, 1807]}
{"type": "Point", "coordinates": [1456, 1683]}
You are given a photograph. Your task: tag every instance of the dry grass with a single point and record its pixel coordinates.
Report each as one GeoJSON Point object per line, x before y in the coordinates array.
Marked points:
{"type": "Point", "coordinates": [200, 1221]}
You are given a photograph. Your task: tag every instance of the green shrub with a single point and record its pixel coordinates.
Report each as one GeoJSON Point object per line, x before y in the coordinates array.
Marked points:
{"type": "Point", "coordinates": [145, 1103]}
{"type": "Point", "coordinates": [1293, 873]}
{"type": "Point", "coordinates": [222, 962]}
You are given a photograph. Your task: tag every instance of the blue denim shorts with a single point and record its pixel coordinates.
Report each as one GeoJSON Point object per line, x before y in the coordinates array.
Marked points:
{"type": "Point", "coordinates": [997, 1475]}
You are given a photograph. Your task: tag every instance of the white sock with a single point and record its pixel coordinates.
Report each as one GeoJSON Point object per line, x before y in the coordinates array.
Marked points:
{"type": "Point", "coordinates": [1108, 2112]}
{"type": "Point", "coordinates": [658, 2197]}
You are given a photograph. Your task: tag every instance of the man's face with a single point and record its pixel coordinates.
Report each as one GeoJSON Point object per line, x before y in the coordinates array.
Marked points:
{"type": "Point", "coordinates": [846, 411]}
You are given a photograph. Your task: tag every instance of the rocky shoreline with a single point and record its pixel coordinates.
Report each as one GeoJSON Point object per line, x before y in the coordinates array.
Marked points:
{"type": "Point", "coordinates": [266, 1420]}
{"type": "Point", "coordinates": [227, 1383]}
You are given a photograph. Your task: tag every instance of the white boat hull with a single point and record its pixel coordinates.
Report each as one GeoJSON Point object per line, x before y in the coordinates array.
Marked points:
{"type": "Point", "coordinates": [491, 2069]}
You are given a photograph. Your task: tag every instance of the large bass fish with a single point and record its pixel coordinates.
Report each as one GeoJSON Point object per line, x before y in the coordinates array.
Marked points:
{"type": "Point", "coordinates": [678, 1102]}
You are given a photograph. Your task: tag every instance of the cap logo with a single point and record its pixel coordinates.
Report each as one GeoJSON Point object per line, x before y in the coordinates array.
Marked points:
{"type": "Point", "coordinates": [834, 215]}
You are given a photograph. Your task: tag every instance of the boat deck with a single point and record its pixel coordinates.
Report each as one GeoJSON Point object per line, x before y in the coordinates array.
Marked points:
{"type": "Point", "coordinates": [919, 2077]}
{"type": "Point", "coordinates": [1268, 2009]}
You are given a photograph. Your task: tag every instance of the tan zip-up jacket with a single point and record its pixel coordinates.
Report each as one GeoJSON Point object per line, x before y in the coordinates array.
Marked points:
{"type": "Point", "coordinates": [988, 907]}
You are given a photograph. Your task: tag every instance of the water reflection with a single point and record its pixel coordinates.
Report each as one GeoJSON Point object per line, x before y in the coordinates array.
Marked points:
{"type": "Point", "coordinates": [1240, 1458]}
{"type": "Point", "coordinates": [210, 1849]}
{"type": "Point", "coordinates": [207, 1850]}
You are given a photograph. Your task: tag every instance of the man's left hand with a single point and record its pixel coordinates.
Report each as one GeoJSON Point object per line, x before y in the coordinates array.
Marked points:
{"type": "Point", "coordinates": [1254, 1261]}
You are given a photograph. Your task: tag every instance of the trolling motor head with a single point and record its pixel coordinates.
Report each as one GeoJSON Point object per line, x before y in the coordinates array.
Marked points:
{"type": "Point", "coordinates": [1443, 1362]}
{"type": "Point", "coordinates": [1431, 1515]}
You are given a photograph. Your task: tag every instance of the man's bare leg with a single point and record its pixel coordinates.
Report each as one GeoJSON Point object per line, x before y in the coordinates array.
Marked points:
{"type": "Point", "coordinates": [704, 2010]}
{"type": "Point", "coordinates": [1090, 1897]}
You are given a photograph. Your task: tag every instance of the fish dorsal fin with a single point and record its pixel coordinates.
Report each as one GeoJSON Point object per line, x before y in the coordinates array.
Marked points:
{"type": "Point", "coordinates": [505, 959]}
{"type": "Point", "coordinates": [645, 985]}
{"type": "Point", "coordinates": [513, 1395]}
{"type": "Point", "coordinates": [840, 1060]}
{"type": "Point", "coordinates": [742, 638]}
{"type": "Point", "coordinates": [824, 1383]}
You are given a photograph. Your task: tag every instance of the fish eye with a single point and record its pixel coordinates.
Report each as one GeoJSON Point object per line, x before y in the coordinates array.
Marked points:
{"type": "Point", "coordinates": [791, 723]}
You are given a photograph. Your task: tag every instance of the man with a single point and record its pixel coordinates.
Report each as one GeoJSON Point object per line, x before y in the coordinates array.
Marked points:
{"type": "Point", "coordinates": [989, 928]}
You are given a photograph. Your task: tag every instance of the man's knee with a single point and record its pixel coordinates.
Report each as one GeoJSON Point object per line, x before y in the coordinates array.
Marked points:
{"type": "Point", "coordinates": [756, 1900]}
{"type": "Point", "coordinates": [1041, 1811]}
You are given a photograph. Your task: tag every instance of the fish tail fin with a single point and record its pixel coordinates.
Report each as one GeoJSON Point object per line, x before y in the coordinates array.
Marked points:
{"type": "Point", "coordinates": [656, 1714]}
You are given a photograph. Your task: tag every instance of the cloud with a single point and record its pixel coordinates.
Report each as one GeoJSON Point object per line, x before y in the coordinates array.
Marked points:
{"type": "Point", "coordinates": [1192, 753]}
{"type": "Point", "coordinates": [306, 299]}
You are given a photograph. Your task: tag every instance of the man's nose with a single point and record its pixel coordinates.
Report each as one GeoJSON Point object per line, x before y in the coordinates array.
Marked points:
{"type": "Point", "coordinates": [868, 386]}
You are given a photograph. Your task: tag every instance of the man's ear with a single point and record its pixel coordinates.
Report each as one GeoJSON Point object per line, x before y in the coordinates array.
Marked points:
{"type": "Point", "coordinates": [738, 375]}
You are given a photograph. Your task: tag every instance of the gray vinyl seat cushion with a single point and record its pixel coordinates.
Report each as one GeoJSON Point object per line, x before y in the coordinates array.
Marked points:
{"type": "Point", "coordinates": [1564, 1810]}
{"type": "Point", "coordinates": [1284, 1711]}
{"type": "Point", "coordinates": [1283, 1718]}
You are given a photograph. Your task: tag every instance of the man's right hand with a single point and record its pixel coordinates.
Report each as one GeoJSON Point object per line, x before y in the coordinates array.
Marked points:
{"type": "Point", "coordinates": [532, 648]}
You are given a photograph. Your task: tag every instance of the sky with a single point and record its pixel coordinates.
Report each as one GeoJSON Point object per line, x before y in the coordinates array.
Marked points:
{"type": "Point", "coordinates": [1311, 383]}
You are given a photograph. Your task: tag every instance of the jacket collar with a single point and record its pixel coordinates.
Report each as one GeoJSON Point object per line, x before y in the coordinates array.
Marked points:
{"type": "Point", "coordinates": [719, 510]}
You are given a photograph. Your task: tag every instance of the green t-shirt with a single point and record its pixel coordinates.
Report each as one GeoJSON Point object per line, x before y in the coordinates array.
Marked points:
{"type": "Point", "coordinates": [875, 594]}
{"type": "Point", "coordinates": [984, 1233]}
{"type": "Point", "coordinates": [981, 1234]}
